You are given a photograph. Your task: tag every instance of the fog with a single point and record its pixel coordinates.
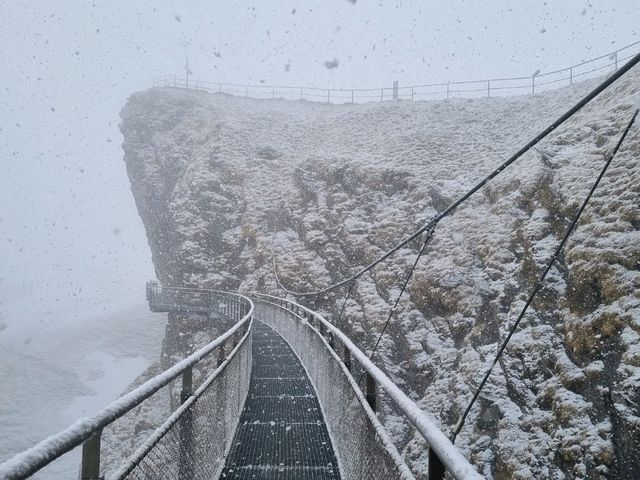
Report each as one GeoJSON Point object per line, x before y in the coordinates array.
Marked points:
{"type": "Point", "coordinates": [72, 246]}
{"type": "Point", "coordinates": [71, 242]}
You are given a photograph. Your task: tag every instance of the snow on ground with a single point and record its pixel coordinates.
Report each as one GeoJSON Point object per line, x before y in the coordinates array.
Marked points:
{"type": "Point", "coordinates": [223, 184]}
{"type": "Point", "coordinates": [69, 370]}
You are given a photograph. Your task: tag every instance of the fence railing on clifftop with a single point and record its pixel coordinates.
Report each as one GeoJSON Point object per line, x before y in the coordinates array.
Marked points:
{"type": "Point", "coordinates": [536, 83]}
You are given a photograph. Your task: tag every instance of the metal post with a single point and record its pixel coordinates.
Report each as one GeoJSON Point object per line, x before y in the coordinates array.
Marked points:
{"type": "Point", "coordinates": [412, 94]}
{"type": "Point", "coordinates": [351, 96]}
{"type": "Point", "coordinates": [370, 391]}
{"type": "Point", "coordinates": [488, 88]}
{"type": "Point", "coordinates": [382, 94]}
{"type": "Point", "coordinates": [90, 469]}
{"type": "Point", "coordinates": [185, 458]}
{"type": "Point", "coordinates": [186, 68]}
{"type": "Point", "coordinates": [221, 354]}
{"type": "Point", "coordinates": [395, 90]}
{"type": "Point", "coordinates": [347, 357]}
{"type": "Point", "coordinates": [436, 468]}
{"type": "Point", "coordinates": [570, 75]}
{"type": "Point", "coordinates": [332, 342]}
{"type": "Point", "coordinates": [328, 96]}
{"type": "Point", "coordinates": [187, 384]}
{"type": "Point", "coordinates": [447, 90]}
{"type": "Point", "coordinates": [533, 85]}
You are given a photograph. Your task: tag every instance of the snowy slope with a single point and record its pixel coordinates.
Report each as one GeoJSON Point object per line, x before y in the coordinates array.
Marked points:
{"type": "Point", "coordinates": [224, 183]}
{"type": "Point", "coordinates": [68, 371]}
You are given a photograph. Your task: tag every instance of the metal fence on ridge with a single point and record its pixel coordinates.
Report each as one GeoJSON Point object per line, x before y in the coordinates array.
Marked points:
{"type": "Point", "coordinates": [536, 83]}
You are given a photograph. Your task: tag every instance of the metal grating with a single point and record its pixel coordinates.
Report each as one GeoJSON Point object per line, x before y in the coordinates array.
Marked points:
{"type": "Point", "coordinates": [281, 434]}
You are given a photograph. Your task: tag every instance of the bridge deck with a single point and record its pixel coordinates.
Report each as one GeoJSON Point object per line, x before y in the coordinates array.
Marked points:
{"type": "Point", "coordinates": [281, 434]}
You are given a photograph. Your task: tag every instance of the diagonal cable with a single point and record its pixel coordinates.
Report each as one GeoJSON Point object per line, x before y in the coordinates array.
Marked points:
{"type": "Point", "coordinates": [540, 282]}
{"type": "Point", "coordinates": [404, 286]}
{"type": "Point", "coordinates": [435, 220]}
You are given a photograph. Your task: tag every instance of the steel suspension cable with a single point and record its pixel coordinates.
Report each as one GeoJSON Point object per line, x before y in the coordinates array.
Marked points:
{"type": "Point", "coordinates": [404, 286]}
{"type": "Point", "coordinates": [540, 282]}
{"type": "Point", "coordinates": [435, 220]}
{"type": "Point", "coordinates": [344, 304]}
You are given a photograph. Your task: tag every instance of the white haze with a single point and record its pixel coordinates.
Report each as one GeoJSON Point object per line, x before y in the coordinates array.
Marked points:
{"type": "Point", "coordinates": [71, 243]}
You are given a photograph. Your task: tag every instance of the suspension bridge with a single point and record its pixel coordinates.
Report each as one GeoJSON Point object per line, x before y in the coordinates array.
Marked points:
{"type": "Point", "coordinates": [283, 393]}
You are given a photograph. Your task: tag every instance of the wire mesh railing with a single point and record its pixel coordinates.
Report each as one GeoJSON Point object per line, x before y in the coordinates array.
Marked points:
{"type": "Point", "coordinates": [194, 441]}
{"type": "Point", "coordinates": [363, 446]}
{"type": "Point", "coordinates": [490, 87]}
{"type": "Point", "coordinates": [204, 422]}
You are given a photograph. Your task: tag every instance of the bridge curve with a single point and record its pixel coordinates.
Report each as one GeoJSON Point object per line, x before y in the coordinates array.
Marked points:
{"type": "Point", "coordinates": [214, 434]}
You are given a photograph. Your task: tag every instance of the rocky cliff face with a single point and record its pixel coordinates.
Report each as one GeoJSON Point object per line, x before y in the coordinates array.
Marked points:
{"type": "Point", "coordinates": [224, 185]}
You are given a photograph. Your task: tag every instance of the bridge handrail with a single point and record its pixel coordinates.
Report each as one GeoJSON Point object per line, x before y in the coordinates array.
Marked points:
{"type": "Point", "coordinates": [146, 447]}
{"type": "Point", "coordinates": [30, 461]}
{"type": "Point", "coordinates": [449, 455]}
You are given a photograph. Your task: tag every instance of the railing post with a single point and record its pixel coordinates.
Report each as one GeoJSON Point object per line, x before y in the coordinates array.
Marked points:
{"type": "Point", "coordinates": [90, 469]}
{"type": "Point", "coordinates": [221, 353]}
{"type": "Point", "coordinates": [347, 357]}
{"type": "Point", "coordinates": [332, 341]}
{"type": "Point", "coordinates": [187, 384]}
{"type": "Point", "coordinates": [382, 94]}
{"type": "Point", "coordinates": [328, 96]}
{"type": "Point", "coordinates": [395, 90]}
{"type": "Point", "coordinates": [488, 88]}
{"type": "Point", "coordinates": [533, 85]}
{"type": "Point", "coordinates": [570, 75]}
{"type": "Point", "coordinates": [447, 90]}
{"type": "Point", "coordinates": [370, 391]}
{"type": "Point", "coordinates": [351, 96]}
{"type": "Point", "coordinates": [412, 94]}
{"type": "Point", "coordinates": [185, 458]}
{"type": "Point", "coordinates": [436, 468]}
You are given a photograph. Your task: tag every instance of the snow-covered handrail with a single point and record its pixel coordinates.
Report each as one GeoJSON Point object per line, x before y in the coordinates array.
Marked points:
{"type": "Point", "coordinates": [450, 456]}
{"type": "Point", "coordinates": [153, 440]}
{"type": "Point", "coordinates": [30, 461]}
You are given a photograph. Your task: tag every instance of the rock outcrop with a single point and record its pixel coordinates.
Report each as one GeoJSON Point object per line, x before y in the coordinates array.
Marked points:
{"type": "Point", "coordinates": [224, 185]}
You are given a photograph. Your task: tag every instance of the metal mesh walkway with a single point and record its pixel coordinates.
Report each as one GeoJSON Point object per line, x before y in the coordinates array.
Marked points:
{"type": "Point", "coordinates": [281, 434]}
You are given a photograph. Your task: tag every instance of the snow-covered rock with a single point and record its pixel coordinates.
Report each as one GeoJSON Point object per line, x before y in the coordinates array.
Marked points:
{"type": "Point", "coordinates": [225, 184]}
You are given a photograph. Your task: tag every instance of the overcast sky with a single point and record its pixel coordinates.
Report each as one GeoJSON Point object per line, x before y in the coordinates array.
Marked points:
{"type": "Point", "coordinates": [70, 237]}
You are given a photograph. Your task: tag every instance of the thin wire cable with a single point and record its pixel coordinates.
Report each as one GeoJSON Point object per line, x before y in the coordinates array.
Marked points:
{"type": "Point", "coordinates": [344, 304]}
{"type": "Point", "coordinates": [434, 221]}
{"type": "Point", "coordinates": [550, 264]}
{"type": "Point", "coordinates": [395, 305]}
